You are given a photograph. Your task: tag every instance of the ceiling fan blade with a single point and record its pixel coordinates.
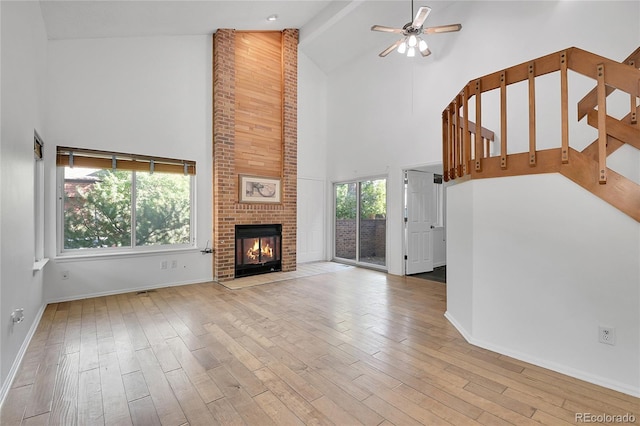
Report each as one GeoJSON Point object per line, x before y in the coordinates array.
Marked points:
{"type": "Point", "coordinates": [443, 29]}
{"type": "Point", "coordinates": [426, 52]}
{"type": "Point", "coordinates": [391, 48]}
{"type": "Point", "coordinates": [422, 14]}
{"type": "Point", "coordinates": [386, 29]}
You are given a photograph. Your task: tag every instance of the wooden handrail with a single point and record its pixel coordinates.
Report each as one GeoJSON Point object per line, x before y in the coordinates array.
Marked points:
{"type": "Point", "coordinates": [589, 101]}
{"type": "Point", "coordinates": [466, 144]}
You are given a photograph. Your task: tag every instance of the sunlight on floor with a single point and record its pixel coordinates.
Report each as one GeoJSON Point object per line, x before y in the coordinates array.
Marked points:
{"type": "Point", "coordinates": [303, 270]}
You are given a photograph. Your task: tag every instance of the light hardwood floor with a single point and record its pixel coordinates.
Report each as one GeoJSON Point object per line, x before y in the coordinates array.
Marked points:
{"type": "Point", "coordinates": [349, 347]}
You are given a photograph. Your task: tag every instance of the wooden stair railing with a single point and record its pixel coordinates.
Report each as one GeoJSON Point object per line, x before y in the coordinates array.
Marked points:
{"type": "Point", "coordinates": [466, 144]}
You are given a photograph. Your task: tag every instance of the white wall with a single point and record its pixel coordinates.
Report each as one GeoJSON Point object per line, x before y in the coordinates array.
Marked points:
{"type": "Point", "coordinates": [23, 67]}
{"type": "Point", "coordinates": [385, 114]}
{"type": "Point", "coordinates": [312, 161]}
{"type": "Point", "coordinates": [146, 95]}
{"type": "Point", "coordinates": [536, 265]}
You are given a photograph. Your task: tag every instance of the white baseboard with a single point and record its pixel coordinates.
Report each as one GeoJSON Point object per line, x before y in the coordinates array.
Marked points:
{"type": "Point", "coordinates": [23, 349]}
{"type": "Point", "coordinates": [548, 364]}
{"type": "Point", "coordinates": [127, 290]}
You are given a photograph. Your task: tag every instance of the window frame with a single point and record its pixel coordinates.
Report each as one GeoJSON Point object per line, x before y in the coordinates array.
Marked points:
{"type": "Point", "coordinates": [131, 249]}
{"type": "Point", "coordinates": [358, 186]}
{"type": "Point", "coordinates": [39, 259]}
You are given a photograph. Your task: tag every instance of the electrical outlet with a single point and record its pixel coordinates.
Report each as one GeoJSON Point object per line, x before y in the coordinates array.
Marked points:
{"type": "Point", "coordinates": [17, 316]}
{"type": "Point", "coordinates": [163, 264]}
{"type": "Point", "coordinates": [64, 275]}
{"type": "Point", "coordinates": [174, 264]}
{"type": "Point", "coordinates": [607, 335]}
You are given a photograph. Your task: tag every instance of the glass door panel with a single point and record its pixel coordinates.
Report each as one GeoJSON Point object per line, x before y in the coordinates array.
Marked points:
{"type": "Point", "coordinates": [361, 222]}
{"type": "Point", "coordinates": [345, 216]}
{"type": "Point", "coordinates": [373, 222]}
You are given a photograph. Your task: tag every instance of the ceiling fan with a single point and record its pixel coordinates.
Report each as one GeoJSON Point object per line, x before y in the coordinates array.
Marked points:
{"type": "Point", "coordinates": [412, 31]}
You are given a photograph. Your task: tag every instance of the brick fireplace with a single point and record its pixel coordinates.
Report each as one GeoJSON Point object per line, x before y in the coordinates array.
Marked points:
{"type": "Point", "coordinates": [254, 133]}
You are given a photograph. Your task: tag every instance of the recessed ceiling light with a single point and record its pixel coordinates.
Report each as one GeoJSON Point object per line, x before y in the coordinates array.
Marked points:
{"type": "Point", "coordinates": [272, 18]}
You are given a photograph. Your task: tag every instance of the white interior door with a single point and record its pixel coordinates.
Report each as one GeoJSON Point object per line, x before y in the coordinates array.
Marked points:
{"type": "Point", "coordinates": [420, 218]}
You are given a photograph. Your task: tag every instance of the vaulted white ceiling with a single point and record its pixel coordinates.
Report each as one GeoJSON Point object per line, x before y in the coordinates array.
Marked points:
{"type": "Point", "coordinates": [332, 32]}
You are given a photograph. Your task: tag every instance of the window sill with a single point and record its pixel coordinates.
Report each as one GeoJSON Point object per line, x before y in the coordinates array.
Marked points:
{"type": "Point", "coordinates": [72, 257]}
{"type": "Point", "coordinates": [39, 264]}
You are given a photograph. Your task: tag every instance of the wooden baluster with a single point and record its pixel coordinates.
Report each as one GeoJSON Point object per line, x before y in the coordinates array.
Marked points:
{"type": "Point", "coordinates": [532, 115]}
{"type": "Point", "coordinates": [461, 131]}
{"type": "Point", "coordinates": [460, 136]}
{"type": "Point", "coordinates": [445, 147]}
{"type": "Point", "coordinates": [456, 139]}
{"type": "Point", "coordinates": [452, 144]}
{"type": "Point", "coordinates": [503, 120]}
{"type": "Point", "coordinates": [466, 136]}
{"type": "Point", "coordinates": [602, 125]}
{"type": "Point", "coordinates": [478, 139]}
{"type": "Point", "coordinates": [451, 151]}
{"type": "Point", "coordinates": [564, 101]}
{"type": "Point", "coordinates": [634, 106]}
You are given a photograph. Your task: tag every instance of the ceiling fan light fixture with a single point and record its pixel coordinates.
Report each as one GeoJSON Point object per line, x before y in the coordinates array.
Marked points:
{"type": "Point", "coordinates": [422, 45]}
{"type": "Point", "coordinates": [402, 47]}
{"type": "Point", "coordinates": [411, 34]}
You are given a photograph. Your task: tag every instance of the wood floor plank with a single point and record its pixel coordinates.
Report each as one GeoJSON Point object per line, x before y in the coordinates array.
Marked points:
{"type": "Point", "coordinates": [166, 358]}
{"type": "Point", "coordinates": [147, 324]}
{"type": "Point", "coordinates": [136, 334]}
{"type": "Point", "coordinates": [167, 407]}
{"type": "Point", "coordinates": [26, 374]}
{"type": "Point", "coordinates": [343, 399]}
{"type": "Point", "coordinates": [397, 400]}
{"type": "Point", "coordinates": [192, 405]}
{"type": "Point", "coordinates": [135, 386]}
{"type": "Point", "coordinates": [452, 410]}
{"type": "Point", "coordinates": [206, 387]}
{"type": "Point", "coordinates": [58, 327]}
{"type": "Point", "coordinates": [297, 383]}
{"type": "Point", "coordinates": [206, 358]}
{"type": "Point", "coordinates": [14, 405]}
{"type": "Point", "coordinates": [277, 410]}
{"type": "Point", "coordinates": [241, 401]}
{"type": "Point", "coordinates": [65, 396]}
{"type": "Point", "coordinates": [90, 410]}
{"type": "Point", "coordinates": [334, 412]}
{"type": "Point", "coordinates": [127, 361]}
{"type": "Point", "coordinates": [164, 327]}
{"type": "Point", "coordinates": [224, 413]}
{"type": "Point", "coordinates": [114, 399]}
{"type": "Point", "coordinates": [296, 403]}
{"type": "Point", "coordinates": [244, 356]}
{"type": "Point", "coordinates": [43, 386]}
{"type": "Point", "coordinates": [143, 412]}
{"type": "Point", "coordinates": [389, 412]}
{"type": "Point", "coordinates": [74, 326]}
{"type": "Point", "coordinates": [41, 420]}
{"type": "Point", "coordinates": [346, 347]}
{"type": "Point", "coordinates": [88, 337]}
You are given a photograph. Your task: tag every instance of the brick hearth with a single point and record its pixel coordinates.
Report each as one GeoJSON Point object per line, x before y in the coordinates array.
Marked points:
{"type": "Point", "coordinates": [228, 211]}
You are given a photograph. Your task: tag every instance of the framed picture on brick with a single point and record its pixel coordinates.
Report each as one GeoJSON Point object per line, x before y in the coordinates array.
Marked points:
{"type": "Point", "coordinates": [257, 189]}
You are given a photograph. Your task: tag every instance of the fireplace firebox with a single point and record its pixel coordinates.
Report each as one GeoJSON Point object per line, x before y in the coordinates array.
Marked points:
{"type": "Point", "coordinates": [258, 249]}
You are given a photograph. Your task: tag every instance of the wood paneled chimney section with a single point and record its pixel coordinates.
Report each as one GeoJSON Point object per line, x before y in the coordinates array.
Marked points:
{"type": "Point", "coordinates": [231, 155]}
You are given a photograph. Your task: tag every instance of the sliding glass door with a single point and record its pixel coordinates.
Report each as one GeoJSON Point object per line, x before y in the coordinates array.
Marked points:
{"type": "Point", "coordinates": [361, 222]}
